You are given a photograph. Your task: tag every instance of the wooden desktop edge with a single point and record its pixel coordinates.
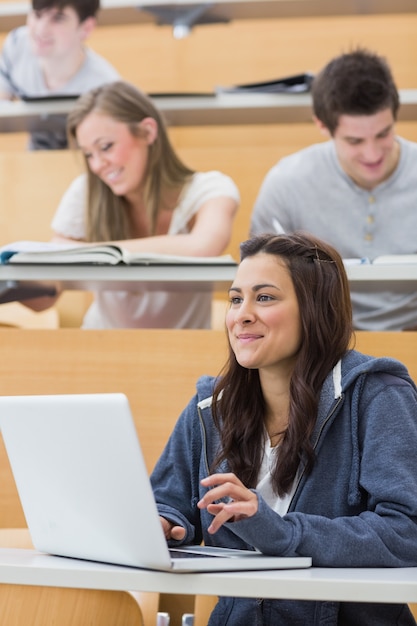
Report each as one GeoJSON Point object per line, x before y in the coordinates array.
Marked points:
{"type": "Point", "coordinates": [121, 277]}
{"type": "Point", "coordinates": [221, 109]}
{"type": "Point", "coordinates": [175, 278]}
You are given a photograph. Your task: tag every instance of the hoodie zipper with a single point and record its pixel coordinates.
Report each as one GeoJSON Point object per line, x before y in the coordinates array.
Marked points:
{"type": "Point", "coordinates": [330, 415]}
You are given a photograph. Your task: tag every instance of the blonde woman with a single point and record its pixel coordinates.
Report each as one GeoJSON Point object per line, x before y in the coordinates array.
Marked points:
{"type": "Point", "coordinates": [139, 193]}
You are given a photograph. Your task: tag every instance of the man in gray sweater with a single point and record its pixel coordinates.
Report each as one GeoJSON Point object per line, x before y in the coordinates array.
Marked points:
{"type": "Point", "coordinates": [358, 190]}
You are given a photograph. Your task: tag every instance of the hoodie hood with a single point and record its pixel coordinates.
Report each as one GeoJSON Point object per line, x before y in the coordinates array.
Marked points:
{"type": "Point", "coordinates": [340, 396]}
{"type": "Point", "coordinates": [346, 373]}
{"type": "Point", "coordinates": [345, 384]}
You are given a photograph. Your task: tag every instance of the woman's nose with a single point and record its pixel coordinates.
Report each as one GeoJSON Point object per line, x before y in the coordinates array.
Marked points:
{"type": "Point", "coordinates": [247, 320]}
{"type": "Point", "coordinates": [245, 314]}
{"type": "Point", "coordinates": [96, 163]}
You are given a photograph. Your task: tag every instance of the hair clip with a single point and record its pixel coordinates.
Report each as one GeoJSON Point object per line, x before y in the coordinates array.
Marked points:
{"type": "Point", "coordinates": [320, 260]}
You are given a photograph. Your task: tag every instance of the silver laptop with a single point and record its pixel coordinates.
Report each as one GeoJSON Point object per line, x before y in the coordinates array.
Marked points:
{"type": "Point", "coordinates": [85, 490]}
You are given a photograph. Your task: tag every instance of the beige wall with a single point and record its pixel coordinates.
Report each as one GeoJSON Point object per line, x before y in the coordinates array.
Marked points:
{"type": "Point", "coordinates": [248, 50]}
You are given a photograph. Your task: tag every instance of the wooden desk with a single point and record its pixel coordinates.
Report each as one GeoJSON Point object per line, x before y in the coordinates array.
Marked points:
{"type": "Point", "coordinates": [221, 109]}
{"type": "Point", "coordinates": [28, 567]}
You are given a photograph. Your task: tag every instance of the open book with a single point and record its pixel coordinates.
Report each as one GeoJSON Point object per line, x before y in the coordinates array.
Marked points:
{"type": "Point", "coordinates": [32, 252]}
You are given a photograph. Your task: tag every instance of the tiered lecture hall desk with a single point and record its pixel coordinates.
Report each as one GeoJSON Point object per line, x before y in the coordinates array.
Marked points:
{"type": "Point", "coordinates": [169, 277]}
{"type": "Point", "coordinates": [190, 110]}
{"type": "Point", "coordinates": [209, 109]}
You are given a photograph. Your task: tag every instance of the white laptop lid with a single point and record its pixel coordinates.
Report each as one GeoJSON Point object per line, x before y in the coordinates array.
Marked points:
{"type": "Point", "coordinates": [84, 486]}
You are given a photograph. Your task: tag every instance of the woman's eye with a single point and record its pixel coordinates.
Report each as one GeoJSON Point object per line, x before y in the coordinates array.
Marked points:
{"type": "Point", "coordinates": [264, 298]}
{"type": "Point", "coordinates": [106, 147]}
{"type": "Point", "coordinates": [235, 300]}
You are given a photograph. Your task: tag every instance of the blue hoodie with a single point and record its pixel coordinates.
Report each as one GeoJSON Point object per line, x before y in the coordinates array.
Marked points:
{"type": "Point", "coordinates": [356, 508]}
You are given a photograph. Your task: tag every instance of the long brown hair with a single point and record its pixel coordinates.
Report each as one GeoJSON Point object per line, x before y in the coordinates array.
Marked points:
{"type": "Point", "coordinates": [322, 291]}
{"type": "Point", "coordinates": [106, 217]}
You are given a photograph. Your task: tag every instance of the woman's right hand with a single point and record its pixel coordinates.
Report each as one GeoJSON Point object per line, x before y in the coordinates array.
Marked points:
{"type": "Point", "coordinates": [171, 531]}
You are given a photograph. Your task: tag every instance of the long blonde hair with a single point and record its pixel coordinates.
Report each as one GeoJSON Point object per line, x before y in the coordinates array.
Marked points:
{"type": "Point", "coordinates": [106, 217]}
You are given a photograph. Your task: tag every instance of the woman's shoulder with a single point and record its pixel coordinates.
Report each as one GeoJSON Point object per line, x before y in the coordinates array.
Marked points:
{"type": "Point", "coordinates": [76, 191]}
{"type": "Point", "coordinates": [214, 181]}
{"type": "Point", "coordinates": [211, 176]}
{"type": "Point", "coordinates": [79, 182]}
{"type": "Point", "coordinates": [356, 363]}
{"type": "Point", "coordinates": [69, 217]}
{"type": "Point", "coordinates": [205, 388]}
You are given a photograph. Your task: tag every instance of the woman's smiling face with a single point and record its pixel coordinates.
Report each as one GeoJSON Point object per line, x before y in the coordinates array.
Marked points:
{"type": "Point", "coordinates": [113, 153]}
{"type": "Point", "coordinates": [263, 321]}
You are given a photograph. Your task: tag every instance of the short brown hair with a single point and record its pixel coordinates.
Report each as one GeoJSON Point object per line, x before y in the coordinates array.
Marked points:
{"type": "Point", "coordinates": [354, 83]}
{"type": "Point", "coordinates": [84, 8]}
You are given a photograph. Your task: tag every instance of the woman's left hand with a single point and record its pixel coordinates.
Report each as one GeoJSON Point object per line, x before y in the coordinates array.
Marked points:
{"type": "Point", "coordinates": [240, 501]}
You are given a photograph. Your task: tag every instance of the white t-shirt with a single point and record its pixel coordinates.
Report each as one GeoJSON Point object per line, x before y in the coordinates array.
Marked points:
{"type": "Point", "coordinates": [264, 486]}
{"type": "Point", "coordinates": [157, 309]}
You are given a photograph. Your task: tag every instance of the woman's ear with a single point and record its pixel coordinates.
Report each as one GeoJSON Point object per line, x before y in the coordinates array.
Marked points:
{"type": "Point", "coordinates": [149, 128]}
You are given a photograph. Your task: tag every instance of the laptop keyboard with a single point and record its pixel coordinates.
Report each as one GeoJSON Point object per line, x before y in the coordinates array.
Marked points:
{"type": "Point", "coordinates": [177, 553]}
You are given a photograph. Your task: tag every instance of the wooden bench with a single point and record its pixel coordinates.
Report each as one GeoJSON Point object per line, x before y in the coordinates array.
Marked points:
{"type": "Point", "coordinates": [22, 605]}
